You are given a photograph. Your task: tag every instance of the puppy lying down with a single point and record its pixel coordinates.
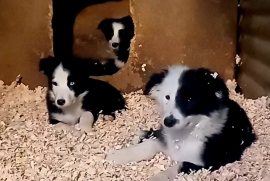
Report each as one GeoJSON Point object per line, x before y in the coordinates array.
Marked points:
{"type": "Point", "coordinates": [72, 97]}
{"type": "Point", "coordinates": [201, 127]}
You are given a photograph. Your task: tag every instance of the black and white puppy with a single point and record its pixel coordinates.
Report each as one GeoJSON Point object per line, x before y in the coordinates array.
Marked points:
{"type": "Point", "coordinates": [119, 33]}
{"type": "Point", "coordinates": [73, 97]}
{"type": "Point", "coordinates": [201, 127]}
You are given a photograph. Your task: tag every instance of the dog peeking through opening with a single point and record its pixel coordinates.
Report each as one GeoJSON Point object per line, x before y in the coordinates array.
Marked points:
{"type": "Point", "coordinates": [119, 33]}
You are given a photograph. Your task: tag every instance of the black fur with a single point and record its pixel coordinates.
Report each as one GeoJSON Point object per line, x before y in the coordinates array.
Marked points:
{"type": "Point", "coordinates": [196, 95]}
{"type": "Point", "coordinates": [228, 147]}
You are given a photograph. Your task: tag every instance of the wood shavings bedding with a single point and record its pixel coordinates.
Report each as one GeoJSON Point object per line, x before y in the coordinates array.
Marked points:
{"type": "Point", "coordinates": [31, 149]}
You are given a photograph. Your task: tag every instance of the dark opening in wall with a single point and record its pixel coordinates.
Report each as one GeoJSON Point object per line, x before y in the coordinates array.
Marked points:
{"type": "Point", "coordinates": [64, 14]}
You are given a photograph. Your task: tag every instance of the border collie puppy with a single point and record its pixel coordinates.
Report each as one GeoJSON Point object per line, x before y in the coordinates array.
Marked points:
{"type": "Point", "coordinates": [119, 33]}
{"type": "Point", "coordinates": [201, 127]}
{"type": "Point", "coordinates": [73, 97]}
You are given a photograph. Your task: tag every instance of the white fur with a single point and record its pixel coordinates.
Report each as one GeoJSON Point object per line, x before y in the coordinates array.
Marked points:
{"type": "Point", "coordinates": [169, 86]}
{"type": "Point", "coordinates": [64, 127]}
{"type": "Point", "coordinates": [86, 121]}
{"type": "Point", "coordinates": [168, 174]}
{"type": "Point", "coordinates": [187, 144]}
{"type": "Point", "coordinates": [72, 113]}
{"type": "Point", "coordinates": [115, 39]}
{"type": "Point", "coordinates": [144, 151]}
{"type": "Point", "coordinates": [119, 64]}
{"type": "Point", "coordinates": [61, 90]}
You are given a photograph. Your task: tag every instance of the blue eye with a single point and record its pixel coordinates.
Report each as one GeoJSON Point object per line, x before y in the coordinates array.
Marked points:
{"type": "Point", "coordinates": [71, 83]}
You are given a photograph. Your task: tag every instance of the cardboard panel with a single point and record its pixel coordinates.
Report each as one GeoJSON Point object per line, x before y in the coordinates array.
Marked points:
{"type": "Point", "coordinates": [25, 36]}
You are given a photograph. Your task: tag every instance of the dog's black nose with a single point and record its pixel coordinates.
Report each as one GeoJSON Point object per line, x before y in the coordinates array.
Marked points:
{"type": "Point", "coordinates": [61, 102]}
{"type": "Point", "coordinates": [115, 45]}
{"type": "Point", "coordinates": [170, 121]}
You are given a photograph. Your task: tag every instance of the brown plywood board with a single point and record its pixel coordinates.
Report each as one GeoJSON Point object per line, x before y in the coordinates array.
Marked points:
{"type": "Point", "coordinates": [25, 36]}
{"type": "Point", "coordinates": [188, 32]}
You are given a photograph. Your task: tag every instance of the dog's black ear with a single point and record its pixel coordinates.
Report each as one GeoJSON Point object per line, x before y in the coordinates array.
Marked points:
{"type": "Point", "coordinates": [129, 24]}
{"type": "Point", "coordinates": [104, 24]}
{"type": "Point", "coordinates": [214, 82]}
{"type": "Point", "coordinates": [154, 79]}
{"type": "Point", "coordinates": [127, 19]}
{"type": "Point", "coordinates": [47, 64]}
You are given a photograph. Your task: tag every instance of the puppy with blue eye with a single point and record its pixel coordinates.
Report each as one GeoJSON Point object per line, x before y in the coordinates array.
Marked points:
{"type": "Point", "coordinates": [73, 97]}
{"type": "Point", "coordinates": [201, 127]}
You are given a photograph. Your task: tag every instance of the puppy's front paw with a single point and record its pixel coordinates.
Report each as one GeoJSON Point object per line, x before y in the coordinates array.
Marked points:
{"type": "Point", "coordinates": [85, 126]}
{"type": "Point", "coordinates": [119, 156]}
{"type": "Point", "coordinates": [86, 122]}
{"type": "Point", "coordinates": [62, 127]}
{"type": "Point", "coordinates": [86, 129]}
{"type": "Point", "coordinates": [162, 176]}
{"type": "Point", "coordinates": [108, 118]}
{"type": "Point", "coordinates": [166, 175]}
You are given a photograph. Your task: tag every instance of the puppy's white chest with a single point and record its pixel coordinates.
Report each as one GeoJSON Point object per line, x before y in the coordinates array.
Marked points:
{"type": "Point", "coordinates": [71, 114]}
{"type": "Point", "coordinates": [188, 149]}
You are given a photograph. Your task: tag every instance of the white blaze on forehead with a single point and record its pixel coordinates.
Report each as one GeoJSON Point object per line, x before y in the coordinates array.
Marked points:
{"type": "Point", "coordinates": [116, 27]}
{"type": "Point", "coordinates": [169, 86]}
{"type": "Point", "coordinates": [61, 90]}
{"type": "Point", "coordinates": [60, 76]}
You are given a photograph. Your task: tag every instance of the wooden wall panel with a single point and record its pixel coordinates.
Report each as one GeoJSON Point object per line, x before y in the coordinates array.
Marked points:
{"type": "Point", "coordinates": [25, 36]}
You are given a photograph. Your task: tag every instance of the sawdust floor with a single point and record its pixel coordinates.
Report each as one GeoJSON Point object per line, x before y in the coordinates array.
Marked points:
{"type": "Point", "coordinates": [30, 149]}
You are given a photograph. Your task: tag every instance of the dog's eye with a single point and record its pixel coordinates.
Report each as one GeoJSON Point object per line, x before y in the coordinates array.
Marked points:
{"type": "Point", "coordinates": [121, 33]}
{"type": "Point", "coordinates": [71, 83]}
{"type": "Point", "coordinates": [54, 83]}
{"type": "Point", "coordinates": [167, 97]}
